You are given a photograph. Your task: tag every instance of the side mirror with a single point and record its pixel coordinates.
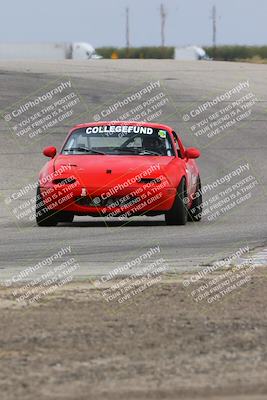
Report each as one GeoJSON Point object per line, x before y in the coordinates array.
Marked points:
{"type": "Point", "coordinates": [192, 152]}
{"type": "Point", "coordinates": [50, 151]}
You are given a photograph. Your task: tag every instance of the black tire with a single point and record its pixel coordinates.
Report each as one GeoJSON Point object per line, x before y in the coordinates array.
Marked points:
{"type": "Point", "coordinates": [44, 216]}
{"type": "Point", "coordinates": [195, 211]}
{"type": "Point", "coordinates": [177, 215]}
{"type": "Point", "coordinates": [65, 216]}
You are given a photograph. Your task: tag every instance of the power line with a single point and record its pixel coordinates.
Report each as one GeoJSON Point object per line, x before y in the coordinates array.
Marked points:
{"type": "Point", "coordinates": [214, 27]}
{"type": "Point", "coordinates": [163, 15]}
{"type": "Point", "coordinates": [127, 31]}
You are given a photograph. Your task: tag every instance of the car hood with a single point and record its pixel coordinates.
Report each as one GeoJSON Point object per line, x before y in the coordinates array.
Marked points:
{"type": "Point", "coordinates": [95, 170]}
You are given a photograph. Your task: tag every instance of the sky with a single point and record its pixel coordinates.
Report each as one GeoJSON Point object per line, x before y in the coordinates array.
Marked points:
{"type": "Point", "coordinates": [102, 22]}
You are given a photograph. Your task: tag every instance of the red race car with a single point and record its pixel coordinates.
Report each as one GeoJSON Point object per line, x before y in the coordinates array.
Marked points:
{"type": "Point", "coordinates": [120, 169]}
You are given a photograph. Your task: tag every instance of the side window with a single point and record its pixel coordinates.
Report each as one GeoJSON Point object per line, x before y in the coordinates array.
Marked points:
{"type": "Point", "coordinates": [177, 144]}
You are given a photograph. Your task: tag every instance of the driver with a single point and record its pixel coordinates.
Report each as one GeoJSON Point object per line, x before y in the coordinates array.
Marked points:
{"type": "Point", "coordinates": [152, 143]}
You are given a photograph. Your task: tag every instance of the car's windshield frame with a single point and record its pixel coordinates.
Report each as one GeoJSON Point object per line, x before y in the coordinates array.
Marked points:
{"type": "Point", "coordinates": [144, 134]}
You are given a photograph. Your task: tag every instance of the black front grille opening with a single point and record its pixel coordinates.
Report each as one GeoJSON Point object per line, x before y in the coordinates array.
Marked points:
{"type": "Point", "coordinates": [111, 202]}
{"type": "Point", "coordinates": [149, 180]}
{"type": "Point", "coordinates": [122, 201]}
{"type": "Point", "coordinates": [64, 181]}
{"type": "Point", "coordinates": [83, 201]}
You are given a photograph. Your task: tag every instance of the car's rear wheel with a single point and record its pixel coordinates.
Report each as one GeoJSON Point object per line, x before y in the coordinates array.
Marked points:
{"type": "Point", "coordinates": [195, 211]}
{"type": "Point", "coordinates": [44, 216]}
{"type": "Point", "coordinates": [177, 215]}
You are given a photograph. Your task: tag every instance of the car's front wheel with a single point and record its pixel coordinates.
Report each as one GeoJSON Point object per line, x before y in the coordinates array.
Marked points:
{"type": "Point", "coordinates": [177, 215]}
{"type": "Point", "coordinates": [65, 216]}
{"type": "Point", "coordinates": [44, 216]}
{"type": "Point", "coordinates": [195, 211]}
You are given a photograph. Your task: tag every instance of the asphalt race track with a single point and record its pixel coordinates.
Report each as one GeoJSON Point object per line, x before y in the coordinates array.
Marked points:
{"type": "Point", "coordinates": [99, 246]}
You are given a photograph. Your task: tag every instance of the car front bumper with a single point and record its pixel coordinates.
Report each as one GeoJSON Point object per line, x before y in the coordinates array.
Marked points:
{"type": "Point", "coordinates": [134, 200]}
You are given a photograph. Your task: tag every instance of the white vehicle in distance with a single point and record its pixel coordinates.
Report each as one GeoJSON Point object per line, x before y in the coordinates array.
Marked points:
{"type": "Point", "coordinates": [48, 51]}
{"type": "Point", "coordinates": [190, 53]}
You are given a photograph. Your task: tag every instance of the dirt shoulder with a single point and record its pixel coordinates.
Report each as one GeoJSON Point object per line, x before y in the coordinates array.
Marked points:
{"type": "Point", "coordinates": [161, 345]}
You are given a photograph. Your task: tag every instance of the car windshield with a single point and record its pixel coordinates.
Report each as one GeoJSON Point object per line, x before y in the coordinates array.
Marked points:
{"type": "Point", "coordinates": [119, 140]}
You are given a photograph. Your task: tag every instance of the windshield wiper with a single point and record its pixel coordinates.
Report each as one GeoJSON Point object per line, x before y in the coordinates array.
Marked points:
{"type": "Point", "coordinates": [137, 151]}
{"type": "Point", "coordinates": [148, 152]}
{"type": "Point", "coordinates": [128, 149]}
{"type": "Point", "coordinates": [85, 149]}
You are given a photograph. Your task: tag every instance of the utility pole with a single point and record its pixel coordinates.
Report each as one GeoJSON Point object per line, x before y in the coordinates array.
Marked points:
{"type": "Point", "coordinates": [127, 33]}
{"type": "Point", "coordinates": [163, 20]}
{"type": "Point", "coordinates": [214, 27]}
